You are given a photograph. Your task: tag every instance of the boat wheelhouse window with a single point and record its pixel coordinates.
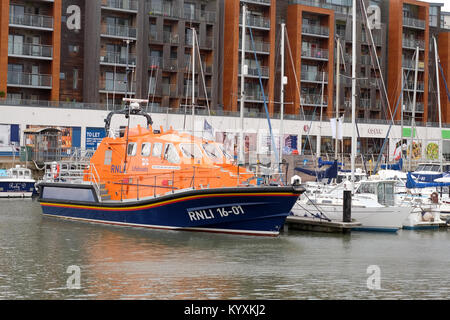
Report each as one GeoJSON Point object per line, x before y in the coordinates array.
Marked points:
{"type": "Point", "coordinates": [227, 155]}
{"type": "Point", "coordinates": [157, 149]}
{"type": "Point", "coordinates": [385, 192]}
{"type": "Point", "coordinates": [146, 148]}
{"type": "Point", "coordinates": [131, 150]}
{"type": "Point", "coordinates": [108, 157]}
{"type": "Point", "coordinates": [191, 151]}
{"type": "Point", "coordinates": [211, 151]}
{"type": "Point", "coordinates": [171, 154]}
{"type": "Point", "coordinates": [367, 188]}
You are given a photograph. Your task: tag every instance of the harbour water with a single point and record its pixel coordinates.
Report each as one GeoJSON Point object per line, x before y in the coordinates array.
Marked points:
{"type": "Point", "coordinates": [38, 255]}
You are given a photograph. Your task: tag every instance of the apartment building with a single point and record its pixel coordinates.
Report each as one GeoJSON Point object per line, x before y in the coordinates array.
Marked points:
{"type": "Point", "coordinates": [30, 49]}
{"type": "Point", "coordinates": [259, 55]}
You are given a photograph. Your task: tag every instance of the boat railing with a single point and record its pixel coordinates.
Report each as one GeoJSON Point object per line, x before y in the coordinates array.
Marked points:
{"type": "Point", "coordinates": [96, 178]}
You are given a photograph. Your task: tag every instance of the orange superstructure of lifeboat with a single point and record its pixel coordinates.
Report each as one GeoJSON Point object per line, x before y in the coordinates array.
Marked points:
{"type": "Point", "coordinates": [144, 163]}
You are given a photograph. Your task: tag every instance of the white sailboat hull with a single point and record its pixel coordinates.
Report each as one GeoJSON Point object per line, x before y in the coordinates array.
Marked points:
{"type": "Point", "coordinates": [388, 219]}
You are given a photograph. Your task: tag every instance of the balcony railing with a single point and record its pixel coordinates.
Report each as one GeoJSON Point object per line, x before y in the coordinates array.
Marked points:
{"type": "Point", "coordinates": [118, 86]}
{"type": "Point", "coordinates": [129, 5]}
{"type": "Point", "coordinates": [257, 1]}
{"type": "Point", "coordinates": [314, 76]}
{"type": "Point", "coordinates": [256, 21]}
{"type": "Point", "coordinates": [154, 62]}
{"type": "Point", "coordinates": [414, 23]}
{"type": "Point", "coordinates": [411, 64]}
{"type": "Point", "coordinates": [252, 94]}
{"type": "Point", "coordinates": [200, 15]}
{"type": "Point", "coordinates": [364, 103]}
{"type": "Point", "coordinates": [314, 3]}
{"type": "Point", "coordinates": [409, 85]}
{"type": "Point", "coordinates": [116, 30]}
{"type": "Point", "coordinates": [315, 30]}
{"type": "Point", "coordinates": [170, 65]}
{"type": "Point", "coordinates": [164, 9]}
{"type": "Point", "coordinates": [413, 43]}
{"type": "Point", "coordinates": [315, 53]}
{"type": "Point", "coordinates": [169, 37]}
{"type": "Point", "coordinates": [258, 46]}
{"type": "Point", "coordinates": [409, 107]}
{"type": "Point", "coordinates": [30, 50]}
{"type": "Point", "coordinates": [32, 80]}
{"type": "Point", "coordinates": [313, 99]}
{"type": "Point", "coordinates": [31, 20]}
{"type": "Point", "coordinates": [255, 72]}
{"type": "Point", "coordinates": [117, 59]}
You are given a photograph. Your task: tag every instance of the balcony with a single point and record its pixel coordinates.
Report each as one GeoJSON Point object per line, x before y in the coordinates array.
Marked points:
{"type": "Point", "coordinates": [414, 23]}
{"type": "Point", "coordinates": [169, 37]}
{"type": "Point", "coordinates": [154, 62]}
{"type": "Point", "coordinates": [121, 5]}
{"type": "Point", "coordinates": [315, 53]}
{"type": "Point", "coordinates": [200, 15]}
{"type": "Point", "coordinates": [164, 9]}
{"type": "Point", "coordinates": [413, 43]}
{"type": "Point", "coordinates": [409, 86]}
{"type": "Point", "coordinates": [260, 2]}
{"type": "Point", "coordinates": [253, 95]}
{"type": "Point", "coordinates": [408, 107]}
{"type": "Point", "coordinates": [170, 65]}
{"type": "Point", "coordinates": [117, 86]}
{"type": "Point", "coordinates": [115, 58]}
{"type": "Point", "coordinates": [316, 77]}
{"type": "Point", "coordinates": [118, 31]}
{"type": "Point", "coordinates": [364, 103]}
{"type": "Point", "coordinates": [256, 21]}
{"type": "Point", "coordinates": [313, 100]}
{"type": "Point", "coordinates": [29, 50]}
{"type": "Point", "coordinates": [255, 72]}
{"type": "Point", "coordinates": [31, 21]}
{"type": "Point", "coordinates": [258, 46]}
{"type": "Point", "coordinates": [29, 80]}
{"type": "Point", "coordinates": [411, 64]}
{"type": "Point", "coordinates": [315, 30]}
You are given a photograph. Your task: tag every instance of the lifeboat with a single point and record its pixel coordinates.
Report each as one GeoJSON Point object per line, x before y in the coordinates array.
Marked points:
{"type": "Point", "coordinates": [168, 180]}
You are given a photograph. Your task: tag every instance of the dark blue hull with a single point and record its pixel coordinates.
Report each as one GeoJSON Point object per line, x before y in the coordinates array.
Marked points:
{"type": "Point", "coordinates": [13, 188]}
{"type": "Point", "coordinates": [255, 210]}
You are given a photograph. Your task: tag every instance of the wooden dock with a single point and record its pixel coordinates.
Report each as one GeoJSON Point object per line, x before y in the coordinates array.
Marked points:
{"type": "Point", "coordinates": [319, 225]}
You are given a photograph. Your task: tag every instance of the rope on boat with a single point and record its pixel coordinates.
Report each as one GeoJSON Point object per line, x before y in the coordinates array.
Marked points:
{"type": "Point", "coordinates": [320, 215]}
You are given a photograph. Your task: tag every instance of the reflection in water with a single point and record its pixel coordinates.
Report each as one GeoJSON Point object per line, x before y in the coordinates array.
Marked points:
{"type": "Point", "coordinates": [128, 263]}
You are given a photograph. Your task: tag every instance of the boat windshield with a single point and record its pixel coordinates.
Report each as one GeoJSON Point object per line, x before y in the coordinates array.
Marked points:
{"type": "Point", "coordinates": [227, 155]}
{"type": "Point", "coordinates": [367, 188]}
{"type": "Point", "coordinates": [171, 154]}
{"type": "Point", "coordinates": [429, 167]}
{"type": "Point", "coordinates": [191, 151]}
{"type": "Point", "coordinates": [211, 151]}
{"type": "Point", "coordinates": [385, 192]}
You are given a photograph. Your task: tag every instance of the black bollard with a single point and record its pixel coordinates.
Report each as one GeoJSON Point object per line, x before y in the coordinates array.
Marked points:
{"type": "Point", "coordinates": [347, 207]}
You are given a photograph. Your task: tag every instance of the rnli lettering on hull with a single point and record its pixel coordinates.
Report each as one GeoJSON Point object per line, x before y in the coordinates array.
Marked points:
{"type": "Point", "coordinates": [207, 214]}
{"type": "Point", "coordinates": [116, 169]}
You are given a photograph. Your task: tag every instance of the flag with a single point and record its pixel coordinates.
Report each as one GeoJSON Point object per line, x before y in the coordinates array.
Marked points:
{"type": "Point", "coordinates": [208, 129]}
{"type": "Point", "coordinates": [340, 128]}
{"type": "Point", "coordinates": [333, 127]}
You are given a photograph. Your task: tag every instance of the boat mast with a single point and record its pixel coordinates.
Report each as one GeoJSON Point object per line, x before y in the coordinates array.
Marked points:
{"type": "Point", "coordinates": [243, 72]}
{"type": "Point", "coordinates": [193, 81]}
{"type": "Point", "coordinates": [413, 120]}
{"type": "Point", "coordinates": [353, 153]}
{"type": "Point", "coordinates": [436, 58]}
{"type": "Point", "coordinates": [283, 82]}
{"type": "Point", "coordinates": [338, 85]}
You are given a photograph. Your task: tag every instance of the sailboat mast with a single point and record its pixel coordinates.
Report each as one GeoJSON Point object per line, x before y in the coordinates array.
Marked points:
{"type": "Point", "coordinates": [193, 81]}
{"type": "Point", "coordinates": [353, 153]}
{"type": "Point", "coordinates": [413, 120]}
{"type": "Point", "coordinates": [282, 94]}
{"type": "Point", "coordinates": [338, 86]}
{"type": "Point", "coordinates": [436, 58]}
{"type": "Point", "coordinates": [243, 72]}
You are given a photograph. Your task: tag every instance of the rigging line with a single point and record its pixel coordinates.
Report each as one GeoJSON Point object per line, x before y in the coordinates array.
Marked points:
{"type": "Point", "coordinates": [443, 78]}
{"type": "Point", "coordinates": [314, 204]}
{"type": "Point", "coordinates": [203, 78]}
{"type": "Point", "coordinates": [295, 73]}
{"type": "Point", "coordinates": [265, 102]}
{"type": "Point", "coordinates": [377, 60]}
